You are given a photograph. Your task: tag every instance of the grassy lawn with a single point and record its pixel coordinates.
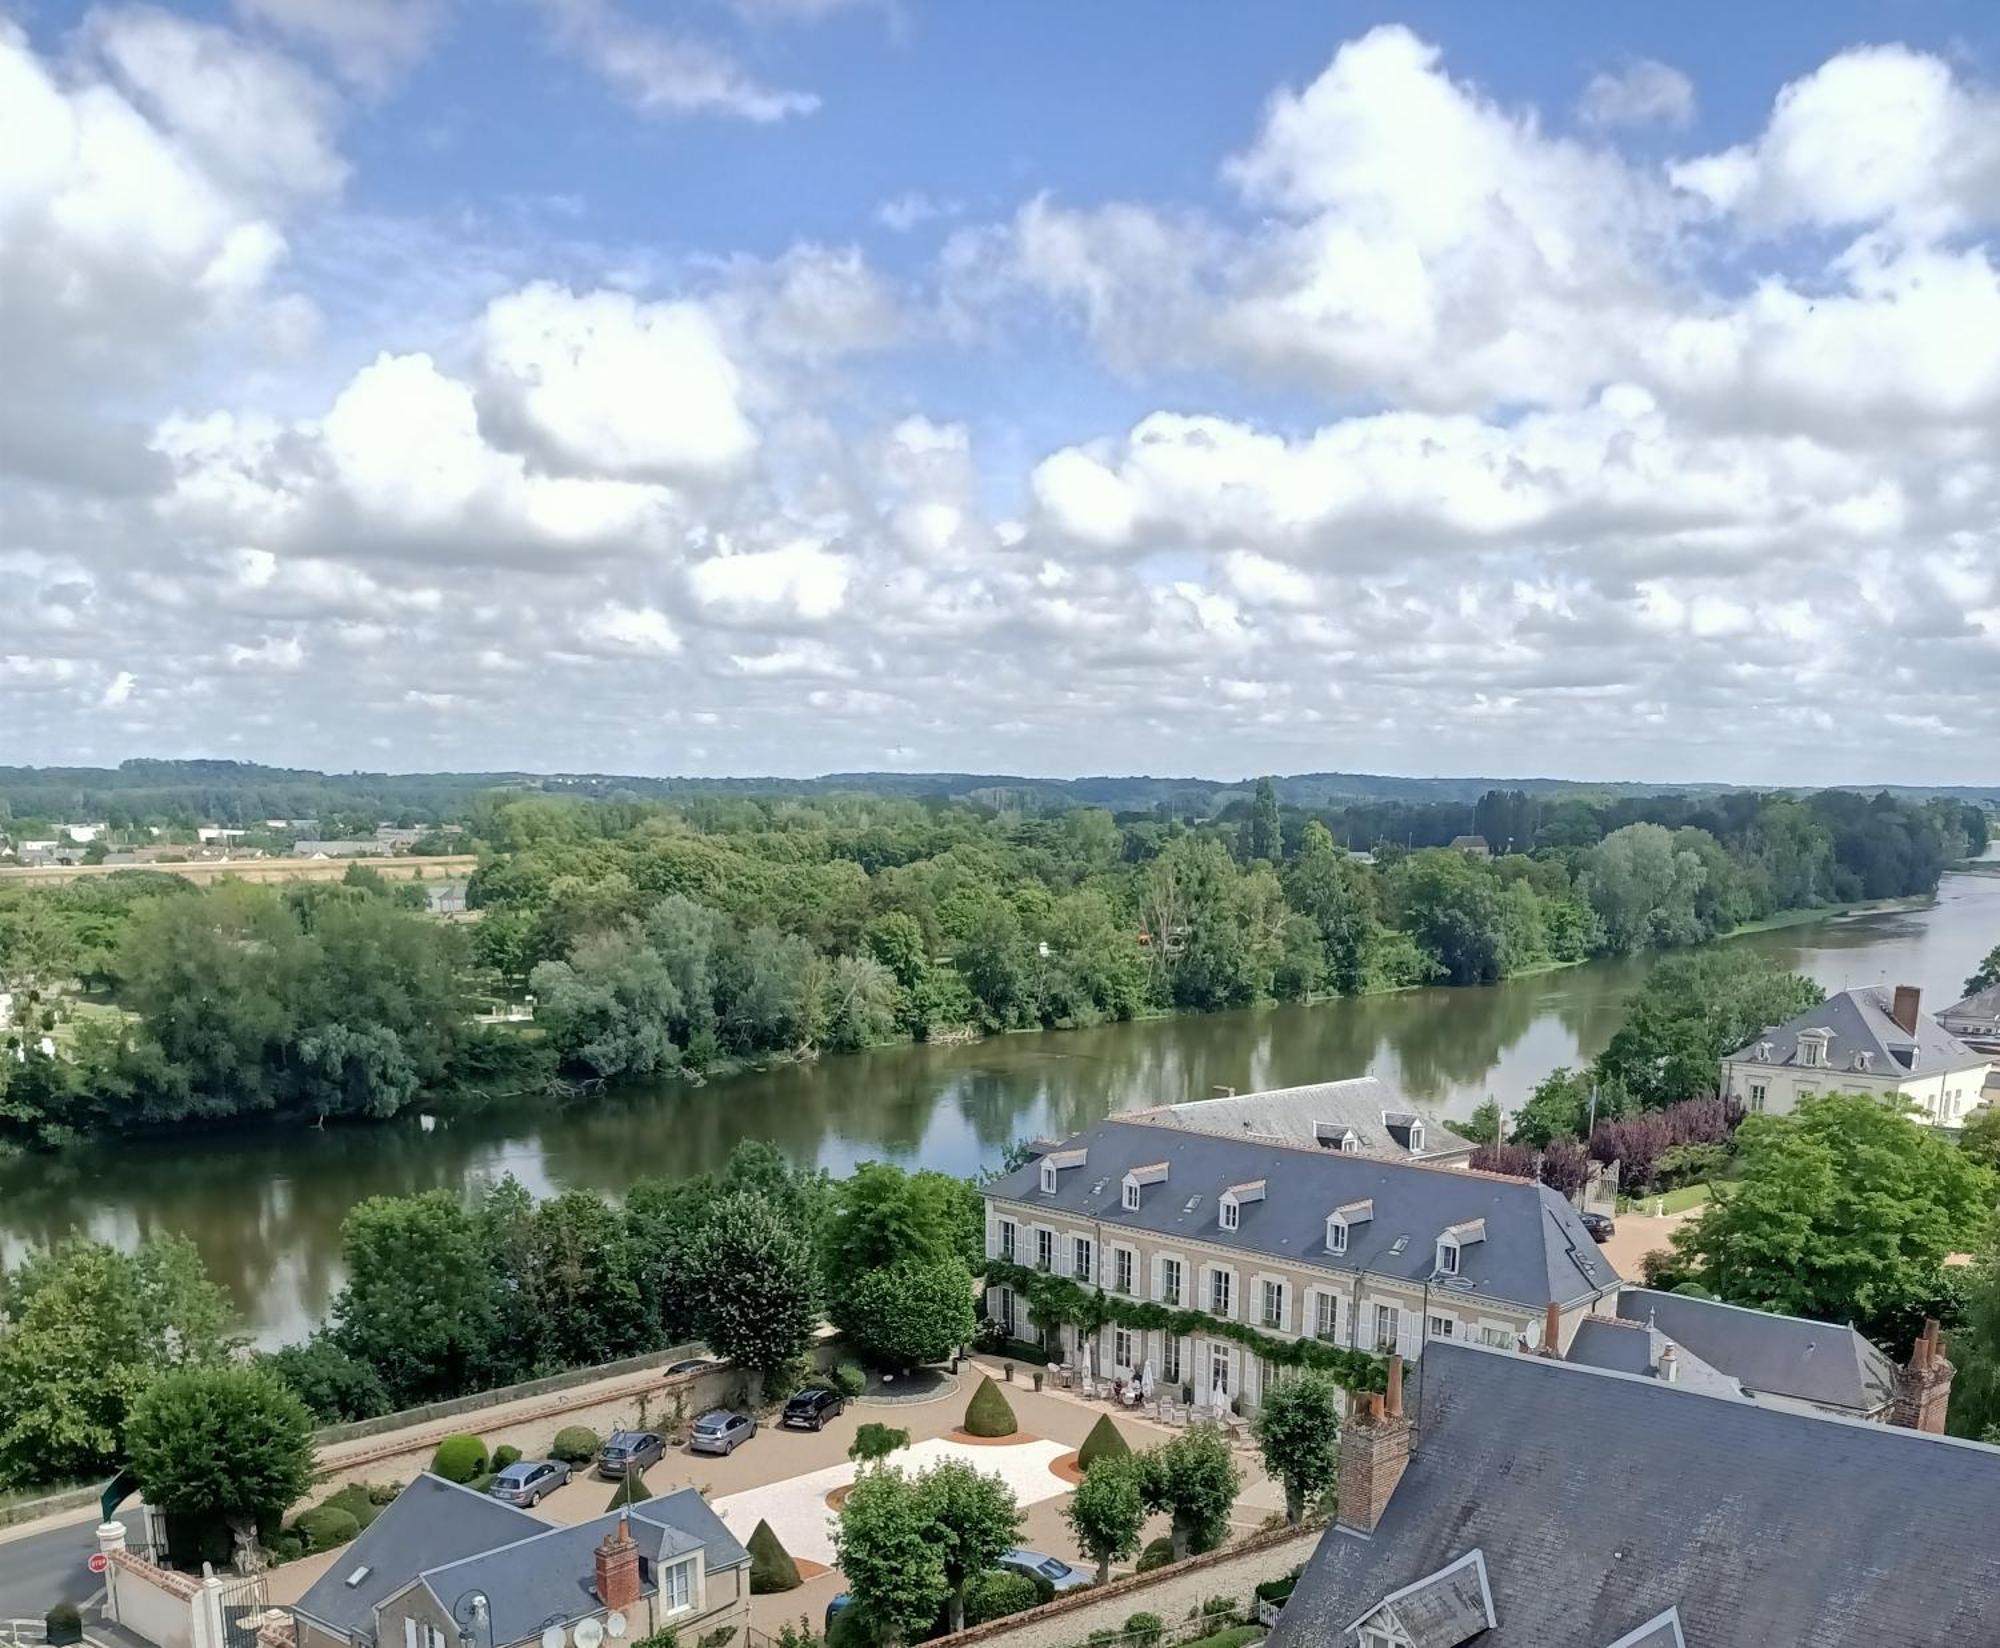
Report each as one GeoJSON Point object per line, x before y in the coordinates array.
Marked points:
{"type": "Point", "coordinates": [1677, 1201]}
{"type": "Point", "coordinates": [1234, 1637]}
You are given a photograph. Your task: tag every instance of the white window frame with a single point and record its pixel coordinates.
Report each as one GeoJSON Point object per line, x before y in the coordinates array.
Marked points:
{"type": "Point", "coordinates": [1757, 1095]}
{"type": "Point", "coordinates": [1336, 1234]}
{"type": "Point", "coordinates": [1082, 1259]}
{"type": "Point", "coordinates": [1045, 1249]}
{"type": "Point", "coordinates": [1326, 1317]}
{"type": "Point", "coordinates": [1171, 1359]}
{"type": "Point", "coordinates": [1447, 1256]}
{"type": "Point", "coordinates": [1048, 1178]}
{"type": "Point", "coordinates": [1177, 1295]}
{"type": "Point", "coordinates": [1009, 1234]}
{"type": "Point", "coordinates": [1222, 1283]}
{"type": "Point", "coordinates": [1122, 1348]}
{"type": "Point", "coordinates": [1439, 1320]}
{"type": "Point", "coordinates": [1385, 1343]}
{"type": "Point", "coordinates": [1124, 1270]}
{"type": "Point", "coordinates": [1350, 1143]}
{"type": "Point", "coordinates": [1416, 1137]}
{"type": "Point", "coordinates": [1220, 1371]}
{"type": "Point", "coordinates": [1269, 1288]}
{"type": "Point", "coordinates": [1498, 1337]}
{"type": "Point", "coordinates": [1228, 1213]}
{"type": "Point", "coordinates": [1131, 1196]}
{"type": "Point", "coordinates": [677, 1581]}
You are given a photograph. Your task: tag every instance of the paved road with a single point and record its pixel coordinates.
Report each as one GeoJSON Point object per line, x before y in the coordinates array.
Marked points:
{"type": "Point", "coordinates": [39, 1570]}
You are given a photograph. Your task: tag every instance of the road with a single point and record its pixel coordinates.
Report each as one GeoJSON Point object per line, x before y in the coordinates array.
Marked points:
{"type": "Point", "coordinates": [39, 1570]}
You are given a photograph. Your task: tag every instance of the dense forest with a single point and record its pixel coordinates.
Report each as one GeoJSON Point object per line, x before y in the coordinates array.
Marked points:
{"type": "Point", "coordinates": [656, 937]}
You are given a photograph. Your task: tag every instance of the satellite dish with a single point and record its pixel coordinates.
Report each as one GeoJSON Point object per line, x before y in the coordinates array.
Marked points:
{"type": "Point", "coordinates": [614, 1622]}
{"type": "Point", "coordinates": [589, 1633]}
{"type": "Point", "coordinates": [552, 1637]}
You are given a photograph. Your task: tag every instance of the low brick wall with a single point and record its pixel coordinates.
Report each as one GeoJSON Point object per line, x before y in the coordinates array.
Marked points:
{"type": "Point", "coordinates": [154, 1604]}
{"type": "Point", "coordinates": [1233, 1572]}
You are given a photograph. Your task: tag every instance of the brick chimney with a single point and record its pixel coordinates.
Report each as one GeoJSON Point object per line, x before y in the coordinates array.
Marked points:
{"type": "Point", "coordinates": [1374, 1450]}
{"type": "Point", "coordinates": [618, 1584]}
{"type": "Point", "coordinates": [1923, 1389]}
{"type": "Point", "coordinates": [1552, 1331]}
{"type": "Point", "coordinates": [1904, 1008]}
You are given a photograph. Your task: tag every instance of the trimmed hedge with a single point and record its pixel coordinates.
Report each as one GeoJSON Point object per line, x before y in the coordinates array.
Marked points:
{"type": "Point", "coordinates": [63, 1623]}
{"type": "Point", "coordinates": [1105, 1441]}
{"type": "Point", "coordinates": [848, 1378]}
{"type": "Point", "coordinates": [504, 1455]}
{"type": "Point", "coordinates": [1156, 1555]}
{"type": "Point", "coordinates": [1143, 1630]}
{"type": "Point", "coordinates": [988, 1413]}
{"type": "Point", "coordinates": [575, 1445]}
{"type": "Point", "coordinates": [356, 1501]}
{"type": "Point", "coordinates": [325, 1526]}
{"type": "Point", "coordinates": [459, 1458]}
{"type": "Point", "coordinates": [771, 1566]}
{"type": "Point", "coordinates": [997, 1593]}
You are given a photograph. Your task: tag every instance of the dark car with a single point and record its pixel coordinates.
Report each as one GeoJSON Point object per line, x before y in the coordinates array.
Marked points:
{"type": "Point", "coordinates": [693, 1364]}
{"type": "Point", "coordinates": [811, 1408]}
{"type": "Point", "coordinates": [1044, 1570]}
{"type": "Point", "coordinates": [834, 1609]}
{"type": "Point", "coordinates": [529, 1481]}
{"type": "Point", "coordinates": [630, 1451]}
{"type": "Point", "coordinates": [720, 1431]}
{"type": "Point", "coordinates": [1602, 1226]}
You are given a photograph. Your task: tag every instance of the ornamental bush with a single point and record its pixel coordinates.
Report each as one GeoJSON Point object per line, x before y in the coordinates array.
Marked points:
{"type": "Point", "coordinates": [63, 1623]}
{"type": "Point", "coordinates": [356, 1501]}
{"type": "Point", "coordinates": [997, 1593]}
{"type": "Point", "coordinates": [1156, 1555]}
{"type": "Point", "coordinates": [575, 1445]}
{"type": "Point", "coordinates": [459, 1458]}
{"type": "Point", "coordinates": [1105, 1441]}
{"type": "Point", "coordinates": [1143, 1630]}
{"type": "Point", "coordinates": [988, 1414]}
{"type": "Point", "coordinates": [771, 1566]}
{"type": "Point", "coordinates": [504, 1455]}
{"type": "Point", "coordinates": [325, 1526]}
{"type": "Point", "coordinates": [848, 1378]}
{"type": "Point", "coordinates": [631, 1490]}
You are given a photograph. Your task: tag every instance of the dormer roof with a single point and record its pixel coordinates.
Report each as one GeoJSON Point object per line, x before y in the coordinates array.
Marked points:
{"type": "Point", "coordinates": [1853, 1022]}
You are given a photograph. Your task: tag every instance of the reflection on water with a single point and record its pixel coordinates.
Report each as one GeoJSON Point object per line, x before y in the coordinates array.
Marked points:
{"type": "Point", "coordinates": [266, 1208]}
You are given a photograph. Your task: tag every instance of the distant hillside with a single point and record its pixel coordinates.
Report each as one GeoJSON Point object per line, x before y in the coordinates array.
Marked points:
{"type": "Point", "coordinates": [232, 792]}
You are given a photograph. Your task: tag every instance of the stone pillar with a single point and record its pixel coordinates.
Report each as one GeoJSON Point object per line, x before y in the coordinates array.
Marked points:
{"type": "Point", "coordinates": [110, 1542]}
{"type": "Point", "coordinates": [1374, 1452]}
{"type": "Point", "coordinates": [206, 1609]}
{"type": "Point", "coordinates": [1923, 1388]}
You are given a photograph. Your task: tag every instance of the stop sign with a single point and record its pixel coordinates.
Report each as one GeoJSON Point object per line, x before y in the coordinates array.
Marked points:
{"type": "Point", "coordinates": [99, 1562]}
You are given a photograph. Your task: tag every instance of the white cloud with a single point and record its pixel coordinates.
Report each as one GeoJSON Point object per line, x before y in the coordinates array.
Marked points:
{"type": "Point", "coordinates": [904, 212]}
{"type": "Point", "coordinates": [802, 582]}
{"type": "Point", "coordinates": [371, 42]}
{"type": "Point", "coordinates": [1642, 93]}
{"type": "Point", "coordinates": [663, 73]}
{"type": "Point", "coordinates": [620, 628]}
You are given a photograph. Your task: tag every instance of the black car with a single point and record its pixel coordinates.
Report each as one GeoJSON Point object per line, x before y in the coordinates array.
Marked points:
{"type": "Point", "coordinates": [1602, 1226]}
{"type": "Point", "coordinates": [811, 1408]}
{"type": "Point", "coordinates": [629, 1451]}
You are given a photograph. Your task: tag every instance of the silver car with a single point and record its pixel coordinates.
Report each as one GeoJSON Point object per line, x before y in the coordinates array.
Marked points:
{"type": "Point", "coordinates": [720, 1431]}
{"type": "Point", "coordinates": [529, 1481]}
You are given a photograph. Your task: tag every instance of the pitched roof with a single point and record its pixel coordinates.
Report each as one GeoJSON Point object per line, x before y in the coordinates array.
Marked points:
{"type": "Point", "coordinates": [1860, 1023]}
{"type": "Point", "coordinates": [1536, 1250]}
{"type": "Point", "coordinates": [1367, 1105]}
{"type": "Point", "coordinates": [1981, 1004]}
{"type": "Point", "coordinates": [1790, 1356]}
{"type": "Point", "coordinates": [1619, 1346]}
{"type": "Point", "coordinates": [1759, 1525]}
{"type": "Point", "coordinates": [430, 1523]}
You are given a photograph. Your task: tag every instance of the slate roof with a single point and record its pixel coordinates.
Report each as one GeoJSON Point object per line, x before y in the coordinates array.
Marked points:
{"type": "Point", "coordinates": [1621, 1346]}
{"type": "Point", "coordinates": [1536, 1250]}
{"type": "Point", "coordinates": [1791, 1356]}
{"type": "Point", "coordinates": [430, 1523]}
{"type": "Point", "coordinates": [1982, 1007]}
{"type": "Point", "coordinates": [1441, 1610]}
{"type": "Point", "coordinates": [1375, 1112]}
{"type": "Point", "coordinates": [1860, 1022]}
{"type": "Point", "coordinates": [1760, 1525]}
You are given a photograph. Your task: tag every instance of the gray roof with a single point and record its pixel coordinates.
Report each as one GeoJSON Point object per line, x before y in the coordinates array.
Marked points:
{"type": "Point", "coordinates": [430, 1523]}
{"type": "Point", "coordinates": [1663, 1632]}
{"type": "Point", "coordinates": [1621, 1346]}
{"type": "Point", "coordinates": [1791, 1356]}
{"type": "Point", "coordinates": [1760, 1525]}
{"type": "Point", "coordinates": [1981, 1005]}
{"type": "Point", "coordinates": [1367, 1105]}
{"type": "Point", "coordinates": [1536, 1250]}
{"type": "Point", "coordinates": [1860, 1024]}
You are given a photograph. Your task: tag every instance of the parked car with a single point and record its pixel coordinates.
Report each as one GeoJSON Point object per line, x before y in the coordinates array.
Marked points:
{"type": "Point", "coordinates": [1045, 1569]}
{"type": "Point", "coordinates": [529, 1481]}
{"type": "Point", "coordinates": [693, 1364]}
{"type": "Point", "coordinates": [811, 1408]}
{"type": "Point", "coordinates": [720, 1431]}
{"type": "Point", "coordinates": [835, 1608]}
{"type": "Point", "coordinates": [1602, 1226]}
{"type": "Point", "coordinates": [629, 1451]}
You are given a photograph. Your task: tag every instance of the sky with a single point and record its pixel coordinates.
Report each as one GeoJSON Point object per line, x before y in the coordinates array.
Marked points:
{"type": "Point", "coordinates": [790, 386]}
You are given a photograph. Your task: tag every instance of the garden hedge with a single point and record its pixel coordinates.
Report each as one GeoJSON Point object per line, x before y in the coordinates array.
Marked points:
{"type": "Point", "coordinates": [997, 1593]}
{"type": "Point", "coordinates": [325, 1526]}
{"type": "Point", "coordinates": [771, 1566]}
{"type": "Point", "coordinates": [504, 1455]}
{"type": "Point", "coordinates": [988, 1414]}
{"type": "Point", "coordinates": [459, 1458]}
{"type": "Point", "coordinates": [1156, 1555]}
{"type": "Point", "coordinates": [575, 1445]}
{"type": "Point", "coordinates": [1105, 1441]}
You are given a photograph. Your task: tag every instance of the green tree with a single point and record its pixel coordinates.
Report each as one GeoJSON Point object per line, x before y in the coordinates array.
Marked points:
{"type": "Point", "coordinates": [975, 1520]}
{"type": "Point", "coordinates": [1979, 1138]}
{"type": "Point", "coordinates": [88, 1327]}
{"type": "Point", "coordinates": [1844, 1210]}
{"type": "Point", "coordinates": [612, 1007]}
{"type": "Point", "coordinates": [1986, 975]}
{"type": "Point", "coordinates": [1559, 1108]}
{"type": "Point", "coordinates": [1974, 1351]}
{"type": "Point", "coordinates": [881, 1216]}
{"type": "Point", "coordinates": [222, 1452]}
{"type": "Point", "coordinates": [1335, 893]}
{"type": "Point", "coordinates": [1691, 1011]}
{"type": "Point", "coordinates": [908, 1313]}
{"type": "Point", "coordinates": [421, 1305]}
{"type": "Point", "coordinates": [1193, 1479]}
{"type": "Point", "coordinates": [1642, 884]}
{"type": "Point", "coordinates": [887, 1551]}
{"type": "Point", "coordinates": [1263, 832]}
{"type": "Point", "coordinates": [334, 1386]}
{"type": "Point", "coordinates": [874, 1442]}
{"type": "Point", "coordinates": [1298, 1430]}
{"type": "Point", "coordinates": [1107, 1513]}
{"type": "Point", "coordinates": [751, 1275]}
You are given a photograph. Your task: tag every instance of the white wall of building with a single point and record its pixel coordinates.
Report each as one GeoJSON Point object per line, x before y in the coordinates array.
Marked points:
{"type": "Point", "coordinates": [1776, 1089]}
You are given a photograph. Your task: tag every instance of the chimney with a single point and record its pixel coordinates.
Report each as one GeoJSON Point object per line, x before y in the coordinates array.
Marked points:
{"type": "Point", "coordinates": [1923, 1389]}
{"type": "Point", "coordinates": [1552, 1330]}
{"type": "Point", "coordinates": [1904, 1012]}
{"type": "Point", "coordinates": [618, 1568]}
{"type": "Point", "coordinates": [1374, 1451]}
{"type": "Point", "coordinates": [1670, 1365]}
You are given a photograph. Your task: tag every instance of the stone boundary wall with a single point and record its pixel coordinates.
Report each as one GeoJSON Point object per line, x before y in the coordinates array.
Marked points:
{"type": "Point", "coordinates": [1233, 1572]}
{"type": "Point", "coordinates": [153, 1604]}
{"type": "Point", "coordinates": [33, 1510]}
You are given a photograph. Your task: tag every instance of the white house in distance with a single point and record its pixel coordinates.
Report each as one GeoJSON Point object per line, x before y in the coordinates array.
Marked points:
{"type": "Point", "coordinates": [1873, 1040]}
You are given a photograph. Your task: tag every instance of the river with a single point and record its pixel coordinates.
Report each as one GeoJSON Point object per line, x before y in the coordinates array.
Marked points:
{"type": "Point", "coordinates": [265, 1208]}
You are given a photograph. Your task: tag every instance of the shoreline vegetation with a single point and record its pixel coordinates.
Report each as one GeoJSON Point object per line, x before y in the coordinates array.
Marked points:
{"type": "Point", "coordinates": [711, 934]}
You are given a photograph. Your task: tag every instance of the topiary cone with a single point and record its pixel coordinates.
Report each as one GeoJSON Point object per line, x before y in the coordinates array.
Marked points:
{"type": "Point", "coordinates": [1105, 1441]}
{"type": "Point", "coordinates": [630, 1490]}
{"type": "Point", "coordinates": [988, 1414]}
{"type": "Point", "coordinates": [771, 1565]}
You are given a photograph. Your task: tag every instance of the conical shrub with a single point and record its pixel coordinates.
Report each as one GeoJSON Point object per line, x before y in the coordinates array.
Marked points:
{"type": "Point", "coordinates": [630, 1490]}
{"type": "Point", "coordinates": [1105, 1441]}
{"type": "Point", "coordinates": [988, 1414]}
{"type": "Point", "coordinates": [771, 1565]}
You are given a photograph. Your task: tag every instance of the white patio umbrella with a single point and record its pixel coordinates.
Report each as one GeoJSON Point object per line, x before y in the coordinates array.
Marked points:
{"type": "Point", "coordinates": [1146, 1381]}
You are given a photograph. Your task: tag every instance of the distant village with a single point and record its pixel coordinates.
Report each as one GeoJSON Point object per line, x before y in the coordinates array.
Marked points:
{"type": "Point", "coordinates": [41, 845]}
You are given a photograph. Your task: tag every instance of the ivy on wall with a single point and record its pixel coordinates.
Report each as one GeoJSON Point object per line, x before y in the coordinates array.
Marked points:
{"type": "Point", "coordinates": [1052, 1299]}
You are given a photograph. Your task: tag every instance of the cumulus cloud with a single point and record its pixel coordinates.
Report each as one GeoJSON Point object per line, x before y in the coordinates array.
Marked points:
{"type": "Point", "coordinates": [664, 73]}
{"type": "Point", "coordinates": [1642, 93]}
{"type": "Point", "coordinates": [370, 42]}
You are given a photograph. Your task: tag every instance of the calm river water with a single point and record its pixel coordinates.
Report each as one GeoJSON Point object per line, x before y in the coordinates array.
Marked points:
{"type": "Point", "coordinates": [265, 1208]}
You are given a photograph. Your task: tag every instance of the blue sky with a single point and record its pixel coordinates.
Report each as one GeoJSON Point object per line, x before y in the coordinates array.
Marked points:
{"type": "Point", "coordinates": [781, 385]}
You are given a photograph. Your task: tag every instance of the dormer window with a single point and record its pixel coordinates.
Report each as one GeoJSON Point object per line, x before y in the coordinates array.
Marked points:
{"type": "Point", "coordinates": [1344, 1218]}
{"type": "Point", "coordinates": [1232, 1214]}
{"type": "Point", "coordinates": [1350, 1144]}
{"type": "Point", "coordinates": [1416, 1136]}
{"type": "Point", "coordinates": [1812, 1048]}
{"type": "Point", "coordinates": [1453, 1241]}
{"type": "Point", "coordinates": [1229, 1206]}
{"type": "Point", "coordinates": [1131, 1197]}
{"type": "Point", "coordinates": [1447, 1256]}
{"type": "Point", "coordinates": [1048, 1178]}
{"type": "Point", "coordinates": [1136, 1181]}
{"type": "Point", "coordinates": [1336, 1234]}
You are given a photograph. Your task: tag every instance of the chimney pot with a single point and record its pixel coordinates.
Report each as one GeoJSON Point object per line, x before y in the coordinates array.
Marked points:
{"type": "Point", "coordinates": [1670, 1367]}
{"type": "Point", "coordinates": [1552, 1329]}
{"type": "Point", "coordinates": [1904, 1009]}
